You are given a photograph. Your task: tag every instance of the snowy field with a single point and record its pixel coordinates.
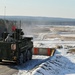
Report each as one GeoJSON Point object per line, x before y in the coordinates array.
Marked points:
{"type": "Point", "coordinates": [62, 63]}
{"type": "Point", "coordinates": [30, 66]}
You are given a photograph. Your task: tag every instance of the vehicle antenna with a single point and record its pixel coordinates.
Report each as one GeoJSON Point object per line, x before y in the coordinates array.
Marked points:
{"type": "Point", "coordinates": [20, 24]}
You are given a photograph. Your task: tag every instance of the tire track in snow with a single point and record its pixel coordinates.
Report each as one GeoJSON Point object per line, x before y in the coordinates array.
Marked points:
{"type": "Point", "coordinates": [31, 65]}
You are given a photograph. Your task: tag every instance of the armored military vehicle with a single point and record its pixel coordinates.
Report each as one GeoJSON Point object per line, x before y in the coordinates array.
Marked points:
{"type": "Point", "coordinates": [15, 47]}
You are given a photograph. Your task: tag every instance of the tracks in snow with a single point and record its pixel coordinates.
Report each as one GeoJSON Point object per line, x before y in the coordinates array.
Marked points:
{"type": "Point", "coordinates": [27, 68]}
{"type": "Point", "coordinates": [31, 65]}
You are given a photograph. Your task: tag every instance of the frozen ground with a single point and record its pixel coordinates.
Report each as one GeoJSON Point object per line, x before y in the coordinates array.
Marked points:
{"type": "Point", "coordinates": [28, 67]}
{"type": "Point", "coordinates": [62, 63]}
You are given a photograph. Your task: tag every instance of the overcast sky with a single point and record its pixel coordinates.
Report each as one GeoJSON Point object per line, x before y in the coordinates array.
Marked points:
{"type": "Point", "coordinates": [47, 8]}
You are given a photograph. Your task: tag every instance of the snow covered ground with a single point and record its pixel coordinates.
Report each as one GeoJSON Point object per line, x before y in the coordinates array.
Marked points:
{"type": "Point", "coordinates": [62, 63]}
{"type": "Point", "coordinates": [29, 66]}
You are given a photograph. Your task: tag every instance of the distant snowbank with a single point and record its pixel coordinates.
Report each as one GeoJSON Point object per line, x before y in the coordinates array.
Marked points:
{"type": "Point", "coordinates": [52, 43]}
{"type": "Point", "coordinates": [68, 35]}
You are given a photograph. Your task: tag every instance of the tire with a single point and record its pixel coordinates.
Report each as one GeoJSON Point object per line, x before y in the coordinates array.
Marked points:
{"type": "Point", "coordinates": [20, 59]}
{"type": "Point", "coordinates": [0, 60]}
{"type": "Point", "coordinates": [24, 57]}
{"type": "Point", "coordinates": [29, 55]}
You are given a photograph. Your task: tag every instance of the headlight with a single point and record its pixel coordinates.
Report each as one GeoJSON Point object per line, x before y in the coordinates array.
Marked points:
{"type": "Point", "coordinates": [13, 46]}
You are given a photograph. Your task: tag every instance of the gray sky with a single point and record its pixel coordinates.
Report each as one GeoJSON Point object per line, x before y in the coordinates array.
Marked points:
{"type": "Point", "coordinates": [47, 8]}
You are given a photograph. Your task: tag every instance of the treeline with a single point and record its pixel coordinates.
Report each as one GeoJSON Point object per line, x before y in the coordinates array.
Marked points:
{"type": "Point", "coordinates": [6, 25]}
{"type": "Point", "coordinates": [46, 21]}
{"type": "Point", "coordinates": [30, 20]}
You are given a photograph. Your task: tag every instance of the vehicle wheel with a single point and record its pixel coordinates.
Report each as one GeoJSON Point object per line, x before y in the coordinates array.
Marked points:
{"type": "Point", "coordinates": [0, 60]}
{"type": "Point", "coordinates": [24, 56]}
{"type": "Point", "coordinates": [29, 55]}
{"type": "Point", "coordinates": [20, 60]}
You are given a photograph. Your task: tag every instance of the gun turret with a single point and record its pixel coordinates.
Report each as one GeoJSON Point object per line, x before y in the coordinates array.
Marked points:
{"type": "Point", "coordinates": [18, 34]}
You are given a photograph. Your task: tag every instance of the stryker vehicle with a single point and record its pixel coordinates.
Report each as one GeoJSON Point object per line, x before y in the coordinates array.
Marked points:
{"type": "Point", "coordinates": [15, 47]}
